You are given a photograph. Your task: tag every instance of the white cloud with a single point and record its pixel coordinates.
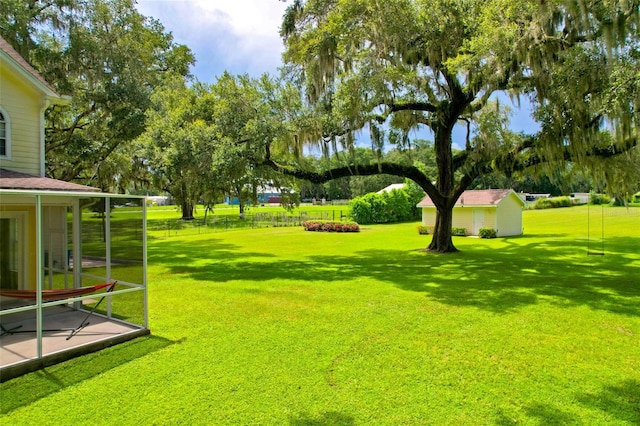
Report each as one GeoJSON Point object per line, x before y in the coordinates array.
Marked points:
{"type": "Point", "coordinates": [235, 35]}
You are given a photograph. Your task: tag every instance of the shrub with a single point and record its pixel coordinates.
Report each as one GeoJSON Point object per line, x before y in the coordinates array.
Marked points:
{"type": "Point", "coordinates": [458, 231]}
{"type": "Point", "coordinates": [323, 226]}
{"type": "Point", "coordinates": [388, 207]}
{"type": "Point", "coordinates": [551, 203]}
{"type": "Point", "coordinates": [425, 230]}
{"type": "Point", "coordinates": [599, 198]}
{"type": "Point", "coordinates": [487, 233]}
{"type": "Point", "coordinates": [360, 210]}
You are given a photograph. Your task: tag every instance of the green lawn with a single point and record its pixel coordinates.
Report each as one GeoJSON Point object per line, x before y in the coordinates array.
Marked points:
{"type": "Point", "coordinates": [165, 221]}
{"type": "Point", "coordinates": [281, 326]}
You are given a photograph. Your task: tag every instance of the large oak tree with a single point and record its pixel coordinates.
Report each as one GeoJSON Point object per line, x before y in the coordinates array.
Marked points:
{"type": "Point", "coordinates": [394, 66]}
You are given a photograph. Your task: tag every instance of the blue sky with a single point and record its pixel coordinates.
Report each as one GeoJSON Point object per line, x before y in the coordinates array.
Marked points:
{"type": "Point", "coordinates": [242, 36]}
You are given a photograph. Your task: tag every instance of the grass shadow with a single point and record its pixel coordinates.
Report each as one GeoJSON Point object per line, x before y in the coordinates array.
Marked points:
{"type": "Point", "coordinates": [620, 401]}
{"type": "Point", "coordinates": [29, 388]}
{"type": "Point", "coordinates": [548, 415]}
{"type": "Point", "coordinates": [499, 280]}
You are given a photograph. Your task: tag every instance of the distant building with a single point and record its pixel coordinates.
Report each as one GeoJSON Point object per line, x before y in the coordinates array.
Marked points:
{"type": "Point", "coordinates": [391, 187]}
{"type": "Point", "coordinates": [158, 200]}
{"type": "Point", "coordinates": [531, 198]}
{"type": "Point", "coordinates": [580, 197]}
{"type": "Point", "coordinates": [265, 195]}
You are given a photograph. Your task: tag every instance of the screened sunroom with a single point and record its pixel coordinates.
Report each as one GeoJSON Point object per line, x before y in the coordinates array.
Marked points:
{"type": "Point", "coordinates": [72, 272]}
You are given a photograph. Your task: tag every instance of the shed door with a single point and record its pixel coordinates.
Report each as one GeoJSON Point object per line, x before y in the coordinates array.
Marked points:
{"type": "Point", "coordinates": [478, 221]}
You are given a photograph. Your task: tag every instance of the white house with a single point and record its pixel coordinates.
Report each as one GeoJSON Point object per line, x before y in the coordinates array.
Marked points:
{"type": "Point", "coordinates": [58, 247]}
{"type": "Point", "coordinates": [499, 209]}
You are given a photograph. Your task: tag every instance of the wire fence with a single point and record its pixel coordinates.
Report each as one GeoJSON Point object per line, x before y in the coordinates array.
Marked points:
{"type": "Point", "coordinates": [223, 223]}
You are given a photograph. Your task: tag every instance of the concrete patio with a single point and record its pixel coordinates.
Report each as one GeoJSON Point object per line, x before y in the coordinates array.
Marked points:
{"type": "Point", "coordinates": [18, 343]}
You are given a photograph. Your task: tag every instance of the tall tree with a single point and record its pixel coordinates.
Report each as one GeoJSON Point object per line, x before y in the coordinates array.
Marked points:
{"type": "Point", "coordinates": [249, 113]}
{"type": "Point", "coordinates": [179, 142]}
{"type": "Point", "coordinates": [201, 139]}
{"type": "Point", "coordinates": [396, 65]}
{"type": "Point", "coordinates": [109, 59]}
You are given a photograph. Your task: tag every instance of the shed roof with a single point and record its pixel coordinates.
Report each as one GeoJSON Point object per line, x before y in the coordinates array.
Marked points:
{"type": "Point", "coordinates": [21, 64]}
{"type": "Point", "coordinates": [16, 180]}
{"type": "Point", "coordinates": [477, 197]}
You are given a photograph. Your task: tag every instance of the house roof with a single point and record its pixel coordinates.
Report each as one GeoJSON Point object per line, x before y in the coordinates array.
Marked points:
{"type": "Point", "coordinates": [16, 180]}
{"type": "Point", "coordinates": [20, 64]}
{"type": "Point", "coordinates": [477, 197]}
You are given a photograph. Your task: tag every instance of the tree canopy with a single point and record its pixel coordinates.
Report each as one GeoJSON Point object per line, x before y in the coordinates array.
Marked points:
{"type": "Point", "coordinates": [392, 66]}
{"type": "Point", "coordinates": [109, 59]}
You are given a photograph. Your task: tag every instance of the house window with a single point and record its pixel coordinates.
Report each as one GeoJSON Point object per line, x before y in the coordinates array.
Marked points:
{"type": "Point", "coordinates": [5, 135]}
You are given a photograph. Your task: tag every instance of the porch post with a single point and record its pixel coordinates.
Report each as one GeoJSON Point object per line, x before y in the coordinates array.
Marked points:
{"type": "Point", "coordinates": [39, 275]}
{"type": "Point", "coordinates": [107, 235]}
{"type": "Point", "coordinates": [144, 261]}
{"type": "Point", "coordinates": [77, 248]}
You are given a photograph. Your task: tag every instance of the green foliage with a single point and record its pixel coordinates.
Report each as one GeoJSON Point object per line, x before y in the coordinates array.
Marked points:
{"type": "Point", "coordinates": [179, 142]}
{"type": "Point", "coordinates": [386, 207]}
{"type": "Point", "coordinates": [395, 66]}
{"type": "Point", "coordinates": [487, 233]}
{"type": "Point", "coordinates": [459, 231]}
{"type": "Point", "coordinates": [597, 199]}
{"type": "Point", "coordinates": [361, 211]}
{"type": "Point", "coordinates": [109, 59]}
{"type": "Point", "coordinates": [554, 202]}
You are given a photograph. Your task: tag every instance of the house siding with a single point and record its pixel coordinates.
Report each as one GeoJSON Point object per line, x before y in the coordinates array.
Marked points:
{"type": "Point", "coordinates": [429, 216]}
{"type": "Point", "coordinates": [463, 218]}
{"type": "Point", "coordinates": [509, 216]}
{"type": "Point", "coordinates": [23, 105]}
{"type": "Point", "coordinates": [506, 218]}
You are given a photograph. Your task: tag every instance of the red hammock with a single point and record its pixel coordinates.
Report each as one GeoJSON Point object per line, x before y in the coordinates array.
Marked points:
{"type": "Point", "coordinates": [61, 293]}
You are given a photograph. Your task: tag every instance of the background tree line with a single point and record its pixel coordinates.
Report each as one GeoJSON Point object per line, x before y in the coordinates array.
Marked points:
{"type": "Point", "coordinates": [139, 121]}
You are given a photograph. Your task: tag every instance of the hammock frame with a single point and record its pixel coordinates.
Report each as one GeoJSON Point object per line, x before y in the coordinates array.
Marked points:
{"type": "Point", "coordinates": [57, 294]}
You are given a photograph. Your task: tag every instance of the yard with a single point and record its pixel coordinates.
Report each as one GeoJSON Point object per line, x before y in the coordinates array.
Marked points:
{"type": "Point", "coordinates": [281, 326]}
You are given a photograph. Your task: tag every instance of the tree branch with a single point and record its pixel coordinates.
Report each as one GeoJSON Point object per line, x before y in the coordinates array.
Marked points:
{"type": "Point", "coordinates": [408, 172]}
{"type": "Point", "coordinates": [412, 106]}
{"type": "Point", "coordinates": [606, 152]}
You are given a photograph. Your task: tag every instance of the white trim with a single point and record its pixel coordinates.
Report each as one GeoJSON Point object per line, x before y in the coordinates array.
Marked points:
{"type": "Point", "coordinates": [7, 134]}
{"type": "Point", "coordinates": [27, 75]}
{"type": "Point", "coordinates": [39, 275]}
{"type": "Point", "coordinates": [45, 105]}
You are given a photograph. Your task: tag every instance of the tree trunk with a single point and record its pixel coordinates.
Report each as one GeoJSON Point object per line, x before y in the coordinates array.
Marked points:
{"type": "Point", "coordinates": [185, 203]}
{"type": "Point", "coordinates": [187, 210]}
{"type": "Point", "coordinates": [441, 241]}
{"type": "Point", "coordinates": [241, 204]}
